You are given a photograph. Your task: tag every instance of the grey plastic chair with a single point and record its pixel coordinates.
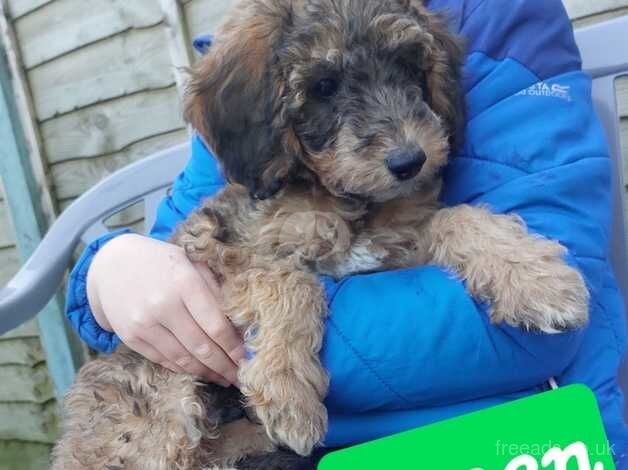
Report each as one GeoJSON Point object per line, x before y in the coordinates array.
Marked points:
{"type": "Point", "coordinates": [41, 276]}
{"type": "Point", "coordinates": [605, 57]}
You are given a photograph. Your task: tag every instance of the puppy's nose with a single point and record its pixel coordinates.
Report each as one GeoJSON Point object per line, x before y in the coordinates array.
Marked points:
{"type": "Point", "coordinates": [405, 163]}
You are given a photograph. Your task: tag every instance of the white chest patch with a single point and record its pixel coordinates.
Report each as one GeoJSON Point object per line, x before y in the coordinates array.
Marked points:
{"type": "Point", "coordinates": [359, 259]}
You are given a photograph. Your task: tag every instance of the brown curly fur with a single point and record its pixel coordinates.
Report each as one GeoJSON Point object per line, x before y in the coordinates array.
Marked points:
{"type": "Point", "coordinates": [310, 193]}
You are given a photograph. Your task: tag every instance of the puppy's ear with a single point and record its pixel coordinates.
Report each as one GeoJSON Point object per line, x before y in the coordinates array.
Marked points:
{"type": "Point", "coordinates": [444, 72]}
{"type": "Point", "coordinates": [235, 98]}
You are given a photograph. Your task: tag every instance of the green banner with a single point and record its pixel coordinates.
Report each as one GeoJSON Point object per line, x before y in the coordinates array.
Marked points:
{"type": "Point", "coordinates": [557, 430]}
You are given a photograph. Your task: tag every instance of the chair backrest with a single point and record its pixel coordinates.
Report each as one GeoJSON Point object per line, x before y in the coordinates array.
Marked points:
{"type": "Point", "coordinates": [605, 59]}
{"type": "Point", "coordinates": [34, 285]}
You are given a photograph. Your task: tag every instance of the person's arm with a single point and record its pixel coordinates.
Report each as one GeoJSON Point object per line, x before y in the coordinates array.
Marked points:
{"type": "Point", "coordinates": [534, 146]}
{"type": "Point", "coordinates": [198, 180]}
{"type": "Point", "coordinates": [154, 299]}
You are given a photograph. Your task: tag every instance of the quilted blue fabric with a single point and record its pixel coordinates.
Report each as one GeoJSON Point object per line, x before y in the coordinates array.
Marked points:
{"type": "Point", "coordinates": [410, 347]}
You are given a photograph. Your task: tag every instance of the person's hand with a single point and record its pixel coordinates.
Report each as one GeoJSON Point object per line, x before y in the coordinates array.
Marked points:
{"type": "Point", "coordinates": [165, 307]}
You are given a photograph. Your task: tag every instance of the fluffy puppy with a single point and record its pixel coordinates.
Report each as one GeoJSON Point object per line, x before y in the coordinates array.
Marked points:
{"type": "Point", "coordinates": [332, 120]}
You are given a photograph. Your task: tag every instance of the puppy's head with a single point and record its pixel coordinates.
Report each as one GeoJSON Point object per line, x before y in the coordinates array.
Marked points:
{"type": "Point", "coordinates": [365, 94]}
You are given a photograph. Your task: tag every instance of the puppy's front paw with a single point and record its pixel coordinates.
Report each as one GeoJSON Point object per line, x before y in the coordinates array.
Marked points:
{"type": "Point", "coordinates": [523, 277]}
{"type": "Point", "coordinates": [291, 411]}
{"type": "Point", "coordinates": [537, 290]}
{"type": "Point", "coordinates": [299, 424]}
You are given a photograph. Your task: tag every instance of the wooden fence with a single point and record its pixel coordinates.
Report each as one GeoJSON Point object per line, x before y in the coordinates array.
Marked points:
{"type": "Point", "coordinates": [97, 87]}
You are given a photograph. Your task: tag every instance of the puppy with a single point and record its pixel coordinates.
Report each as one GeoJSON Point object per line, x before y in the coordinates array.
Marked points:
{"type": "Point", "coordinates": [332, 120]}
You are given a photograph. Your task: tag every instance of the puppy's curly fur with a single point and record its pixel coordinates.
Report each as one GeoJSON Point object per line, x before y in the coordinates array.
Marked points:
{"type": "Point", "coordinates": [307, 104]}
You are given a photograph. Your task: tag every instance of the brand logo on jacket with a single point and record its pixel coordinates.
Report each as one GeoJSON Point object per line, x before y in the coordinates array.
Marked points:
{"type": "Point", "coordinates": [544, 89]}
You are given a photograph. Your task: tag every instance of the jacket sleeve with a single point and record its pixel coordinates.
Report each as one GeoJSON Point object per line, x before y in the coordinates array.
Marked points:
{"type": "Point", "coordinates": [414, 338]}
{"type": "Point", "coordinates": [201, 178]}
{"type": "Point", "coordinates": [77, 307]}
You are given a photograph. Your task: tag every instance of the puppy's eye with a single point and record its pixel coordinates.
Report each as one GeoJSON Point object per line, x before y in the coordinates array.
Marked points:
{"type": "Point", "coordinates": [326, 88]}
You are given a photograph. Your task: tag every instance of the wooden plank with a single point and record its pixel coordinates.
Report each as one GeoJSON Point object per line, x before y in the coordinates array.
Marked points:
{"type": "Point", "coordinates": [26, 330]}
{"type": "Point", "coordinates": [112, 126]}
{"type": "Point", "coordinates": [30, 127]}
{"type": "Point", "coordinates": [622, 95]}
{"type": "Point", "coordinates": [7, 237]}
{"type": "Point", "coordinates": [179, 43]}
{"type": "Point", "coordinates": [31, 422]}
{"type": "Point", "coordinates": [9, 264]}
{"type": "Point", "coordinates": [132, 217]}
{"type": "Point", "coordinates": [581, 8]}
{"type": "Point", "coordinates": [624, 151]}
{"type": "Point", "coordinates": [126, 63]}
{"type": "Point", "coordinates": [623, 138]}
{"type": "Point", "coordinates": [73, 177]}
{"type": "Point", "coordinates": [25, 384]}
{"type": "Point", "coordinates": [599, 18]}
{"type": "Point", "coordinates": [24, 455]}
{"type": "Point", "coordinates": [21, 352]}
{"type": "Point", "coordinates": [17, 8]}
{"type": "Point", "coordinates": [27, 216]}
{"type": "Point", "coordinates": [203, 16]}
{"type": "Point", "coordinates": [64, 25]}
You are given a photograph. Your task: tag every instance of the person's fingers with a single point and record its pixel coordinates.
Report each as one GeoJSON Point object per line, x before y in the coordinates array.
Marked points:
{"type": "Point", "coordinates": [202, 347]}
{"type": "Point", "coordinates": [169, 346]}
{"type": "Point", "coordinates": [207, 312]}
{"type": "Point", "coordinates": [210, 279]}
{"type": "Point", "coordinates": [142, 347]}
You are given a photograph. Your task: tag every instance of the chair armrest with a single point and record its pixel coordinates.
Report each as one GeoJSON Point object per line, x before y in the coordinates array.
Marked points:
{"type": "Point", "coordinates": [35, 283]}
{"type": "Point", "coordinates": [40, 277]}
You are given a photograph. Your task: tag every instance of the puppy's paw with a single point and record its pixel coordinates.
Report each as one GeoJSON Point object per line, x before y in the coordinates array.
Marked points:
{"type": "Point", "coordinates": [523, 277]}
{"type": "Point", "coordinates": [539, 292]}
{"type": "Point", "coordinates": [299, 424]}
{"type": "Point", "coordinates": [290, 410]}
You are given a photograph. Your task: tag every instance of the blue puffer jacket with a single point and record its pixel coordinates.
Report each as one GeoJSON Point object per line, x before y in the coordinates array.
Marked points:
{"type": "Point", "coordinates": [410, 347]}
